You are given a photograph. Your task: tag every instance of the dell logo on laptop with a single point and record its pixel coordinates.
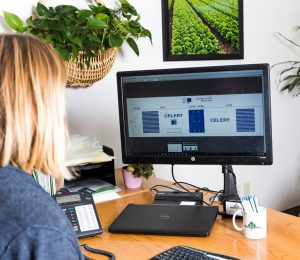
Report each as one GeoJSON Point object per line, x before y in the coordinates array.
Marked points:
{"type": "Point", "coordinates": [164, 216]}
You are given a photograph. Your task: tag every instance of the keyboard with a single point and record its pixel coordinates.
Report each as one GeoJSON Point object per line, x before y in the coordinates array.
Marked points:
{"type": "Point", "coordinates": [189, 253]}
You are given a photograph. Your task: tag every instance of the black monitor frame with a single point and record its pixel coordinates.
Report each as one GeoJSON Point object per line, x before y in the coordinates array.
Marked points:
{"type": "Point", "coordinates": [203, 159]}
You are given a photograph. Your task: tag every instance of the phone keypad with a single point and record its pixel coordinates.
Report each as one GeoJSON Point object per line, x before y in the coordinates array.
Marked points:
{"type": "Point", "coordinates": [86, 217]}
{"type": "Point", "coordinates": [71, 215]}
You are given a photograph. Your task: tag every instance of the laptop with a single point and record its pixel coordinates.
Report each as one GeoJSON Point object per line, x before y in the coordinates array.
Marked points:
{"type": "Point", "coordinates": [165, 219]}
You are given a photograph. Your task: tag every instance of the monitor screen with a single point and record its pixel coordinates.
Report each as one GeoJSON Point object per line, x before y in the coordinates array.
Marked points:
{"type": "Point", "coordinates": [208, 115]}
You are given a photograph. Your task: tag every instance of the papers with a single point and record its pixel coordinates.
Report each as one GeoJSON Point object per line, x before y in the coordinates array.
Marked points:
{"type": "Point", "coordinates": [105, 196]}
{"type": "Point", "coordinates": [46, 181]}
{"type": "Point", "coordinates": [101, 190]}
{"type": "Point", "coordinates": [93, 185]}
{"type": "Point", "coordinates": [84, 150]}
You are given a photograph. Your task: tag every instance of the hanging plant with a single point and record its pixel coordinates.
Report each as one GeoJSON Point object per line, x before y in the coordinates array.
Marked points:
{"type": "Point", "coordinates": [82, 35]}
{"type": "Point", "coordinates": [289, 77]}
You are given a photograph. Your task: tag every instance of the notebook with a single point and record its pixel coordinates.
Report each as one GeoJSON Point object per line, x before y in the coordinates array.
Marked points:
{"type": "Point", "coordinates": [165, 220]}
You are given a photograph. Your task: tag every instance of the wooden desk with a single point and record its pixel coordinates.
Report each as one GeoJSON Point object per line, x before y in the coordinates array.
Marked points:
{"type": "Point", "coordinates": [282, 241]}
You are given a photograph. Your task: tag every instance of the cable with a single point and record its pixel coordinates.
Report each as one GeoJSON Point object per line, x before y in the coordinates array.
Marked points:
{"type": "Point", "coordinates": [182, 182]}
{"type": "Point", "coordinates": [215, 196]}
{"type": "Point", "coordinates": [197, 188]}
{"type": "Point", "coordinates": [176, 182]}
{"type": "Point", "coordinates": [168, 187]}
{"type": "Point", "coordinates": [99, 251]}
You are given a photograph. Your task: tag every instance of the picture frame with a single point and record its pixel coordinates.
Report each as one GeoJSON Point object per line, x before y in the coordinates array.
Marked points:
{"type": "Point", "coordinates": [202, 30]}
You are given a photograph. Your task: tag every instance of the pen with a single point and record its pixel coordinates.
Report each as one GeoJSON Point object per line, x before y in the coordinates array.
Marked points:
{"type": "Point", "coordinates": [255, 203]}
{"type": "Point", "coordinates": [249, 199]}
{"type": "Point", "coordinates": [246, 205]}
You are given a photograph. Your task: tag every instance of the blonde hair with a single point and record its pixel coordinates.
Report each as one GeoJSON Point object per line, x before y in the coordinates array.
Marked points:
{"type": "Point", "coordinates": [33, 132]}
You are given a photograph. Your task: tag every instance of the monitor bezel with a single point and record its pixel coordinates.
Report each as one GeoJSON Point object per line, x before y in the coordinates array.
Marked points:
{"type": "Point", "coordinates": [203, 159]}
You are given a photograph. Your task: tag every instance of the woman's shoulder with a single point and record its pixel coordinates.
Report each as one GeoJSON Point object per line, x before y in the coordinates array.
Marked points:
{"type": "Point", "coordinates": [22, 196]}
{"type": "Point", "coordinates": [40, 242]}
{"type": "Point", "coordinates": [24, 204]}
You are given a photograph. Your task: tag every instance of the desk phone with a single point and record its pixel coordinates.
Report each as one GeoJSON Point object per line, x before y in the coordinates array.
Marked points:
{"type": "Point", "coordinates": [79, 207]}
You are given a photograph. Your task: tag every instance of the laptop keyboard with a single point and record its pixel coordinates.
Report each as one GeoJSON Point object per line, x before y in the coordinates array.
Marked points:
{"type": "Point", "coordinates": [189, 253]}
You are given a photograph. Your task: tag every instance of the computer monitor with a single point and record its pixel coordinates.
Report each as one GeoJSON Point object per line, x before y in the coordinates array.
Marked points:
{"type": "Point", "coordinates": [207, 115]}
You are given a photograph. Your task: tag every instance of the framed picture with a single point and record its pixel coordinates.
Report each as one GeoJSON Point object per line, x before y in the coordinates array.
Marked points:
{"type": "Point", "coordinates": [202, 29]}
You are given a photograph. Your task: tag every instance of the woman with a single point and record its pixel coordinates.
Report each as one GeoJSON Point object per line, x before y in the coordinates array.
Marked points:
{"type": "Point", "coordinates": [32, 137]}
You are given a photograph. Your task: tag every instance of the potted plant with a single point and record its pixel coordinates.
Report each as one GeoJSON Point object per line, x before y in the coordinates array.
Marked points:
{"type": "Point", "coordinates": [133, 174]}
{"type": "Point", "coordinates": [81, 35]}
{"type": "Point", "coordinates": [289, 77]}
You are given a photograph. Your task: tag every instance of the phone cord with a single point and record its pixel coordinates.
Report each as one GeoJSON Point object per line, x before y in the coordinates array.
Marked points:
{"type": "Point", "coordinates": [99, 251]}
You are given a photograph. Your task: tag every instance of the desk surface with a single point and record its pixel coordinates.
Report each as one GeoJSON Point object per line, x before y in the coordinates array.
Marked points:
{"type": "Point", "coordinates": [282, 241]}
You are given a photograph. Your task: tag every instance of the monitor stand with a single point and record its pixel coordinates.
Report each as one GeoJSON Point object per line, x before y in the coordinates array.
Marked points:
{"type": "Point", "coordinates": [230, 191]}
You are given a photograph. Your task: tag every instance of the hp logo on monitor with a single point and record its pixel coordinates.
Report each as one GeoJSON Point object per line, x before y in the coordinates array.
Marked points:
{"type": "Point", "coordinates": [193, 159]}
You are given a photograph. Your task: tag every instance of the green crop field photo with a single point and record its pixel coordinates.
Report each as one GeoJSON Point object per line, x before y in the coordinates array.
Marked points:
{"type": "Point", "coordinates": [203, 27]}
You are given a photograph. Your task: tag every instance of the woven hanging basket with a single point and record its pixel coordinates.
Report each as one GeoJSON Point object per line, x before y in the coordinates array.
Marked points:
{"type": "Point", "coordinates": [81, 75]}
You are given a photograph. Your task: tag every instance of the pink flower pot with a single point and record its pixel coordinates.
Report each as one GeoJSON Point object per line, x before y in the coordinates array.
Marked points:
{"type": "Point", "coordinates": [130, 181]}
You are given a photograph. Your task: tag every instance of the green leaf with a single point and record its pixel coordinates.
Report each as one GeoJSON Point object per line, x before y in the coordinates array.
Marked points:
{"type": "Point", "coordinates": [62, 52]}
{"type": "Point", "coordinates": [77, 41]}
{"type": "Point", "coordinates": [135, 24]}
{"type": "Point", "coordinates": [41, 9]}
{"type": "Point", "coordinates": [64, 9]}
{"type": "Point", "coordinates": [83, 14]}
{"type": "Point", "coordinates": [135, 30]}
{"type": "Point", "coordinates": [95, 24]}
{"type": "Point", "coordinates": [286, 87]}
{"type": "Point", "coordinates": [29, 21]}
{"type": "Point", "coordinates": [133, 46]}
{"type": "Point", "coordinates": [93, 37]}
{"type": "Point", "coordinates": [51, 11]}
{"type": "Point", "coordinates": [22, 29]}
{"type": "Point", "coordinates": [127, 16]}
{"type": "Point", "coordinates": [127, 8]}
{"type": "Point", "coordinates": [294, 83]}
{"type": "Point", "coordinates": [34, 31]}
{"type": "Point", "coordinates": [74, 51]}
{"type": "Point", "coordinates": [48, 38]}
{"type": "Point", "coordinates": [67, 35]}
{"type": "Point", "coordinates": [57, 37]}
{"type": "Point", "coordinates": [124, 2]}
{"type": "Point", "coordinates": [123, 28]}
{"type": "Point", "coordinates": [59, 26]}
{"type": "Point", "coordinates": [43, 24]}
{"type": "Point", "coordinates": [90, 54]}
{"type": "Point", "coordinates": [147, 33]}
{"type": "Point", "coordinates": [105, 18]}
{"type": "Point", "coordinates": [13, 21]}
{"type": "Point", "coordinates": [98, 9]}
{"type": "Point", "coordinates": [115, 40]}
{"type": "Point", "coordinates": [56, 18]}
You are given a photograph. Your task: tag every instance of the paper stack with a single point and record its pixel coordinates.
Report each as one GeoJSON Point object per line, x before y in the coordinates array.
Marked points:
{"type": "Point", "coordinates": [85, 150]}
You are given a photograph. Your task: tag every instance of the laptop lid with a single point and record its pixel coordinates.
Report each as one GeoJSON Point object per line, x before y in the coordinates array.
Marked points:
{"type": "Point", "coordinates": [165, 220]}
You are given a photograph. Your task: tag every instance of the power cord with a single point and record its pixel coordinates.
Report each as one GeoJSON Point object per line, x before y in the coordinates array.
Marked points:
{"type": "Point", "coordinates": [98, 251]}
{"type": "Point", "coordinates": [197, 189]}
{"type": "Point", "coordinates": [204, 189]}
{"type": "Point", "coordinates": [178, 183]}
{"type": "Point", "coordinates": [164, 186]}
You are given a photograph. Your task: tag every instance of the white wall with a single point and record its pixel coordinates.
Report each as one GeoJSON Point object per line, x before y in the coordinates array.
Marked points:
{"type": "Point", "coordinates": [94, 111]}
